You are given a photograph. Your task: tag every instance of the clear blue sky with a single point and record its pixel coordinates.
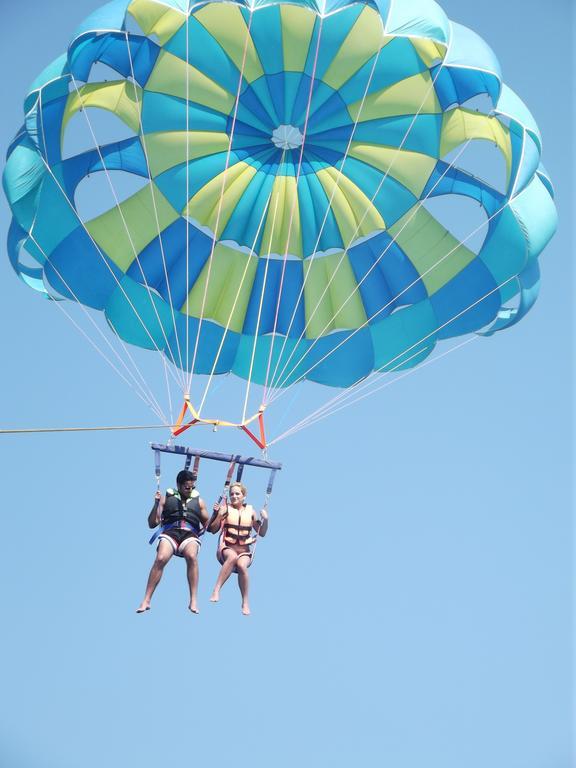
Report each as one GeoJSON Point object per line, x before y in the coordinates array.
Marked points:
{"type": "Point", "coordinates": [435, 631]}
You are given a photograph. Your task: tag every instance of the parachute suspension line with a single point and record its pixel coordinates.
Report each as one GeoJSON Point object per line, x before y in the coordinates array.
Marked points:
{"type": "Point", "coordinates": [379, 311]}
{"type": "Point", "coordinates": [328, 409]}
{"type": "Point", "coordinates": [238, 292]}
{"type": "Point", "coordinates": [316, 245]}
{"type": "Point", "coordinates": [94, 243]}
{"type": "Point", "coordinates": [221, 200]}
{"type": "Point", "coordinates": [154, 205]}
{"type": "Point", "coordinates": [119, 284]}
{"type": "Point", "coordinates": [312, 419]}
{"type": "Point", "coordinates": [293, 207]}
{"type": "Point", "coordinates": [147, 397]}
{"type": "Point", "coordinates": [276, 380]}
{"type": "Point", "coordinates": [125, 223]}
{"type": "Point", "coordinates": [373, 267]}
{"type": "Point", "coordinates": [134, 364]}
{"type": "Point", "coordinates": [187, 277]}
{"type": "Point", "coordinates": [344, 395]}
{"type": "Point", "coordinates": [168, 391]}
{"type": "Point", "coordinates": [154, 407]}
{"type": "Point", "coordinates": [261, 303]}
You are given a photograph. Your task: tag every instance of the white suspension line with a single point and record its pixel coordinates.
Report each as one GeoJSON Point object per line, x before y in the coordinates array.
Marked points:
{"type": "Point", "coordinates": [294, 203]}
{"type": "Point", "coordinates": [119, 284]}
{"type": "Point", "coordinates": [349, 298]}
{"type": "Point", "coordinates": [270, 240]}
{"type": "Point", "coordinates": [124, 222]}
{"type": "Point", "coordinates": [358, 227]}
{"type": "Point", "coordinates": [187, 278]}
{"type": "Point", "coordinates": [310, 422]}
{"type": "Point", "coordinates": [324, 220]}
{"type": "Point", "coordinates": [82, 224]}
{"type": "Point", "coordinates": [367, 382]}
{"type": "Point", "coordinates": [153, 196]}
{"type": "Point", "coordinates": [221, 200]}
{"type": "Point", "coordinates": [329, 407]}
{"type": "Point", "coordinates": [152, 407]}
{"type": "Point", "coordinates": [147, 396]}
{"type": "Point", "coordinates": [168, 389]}
{"type": "Point", "coordinates": [134, 364]}
{"type": "Point", "coordinates": [229, 321]}
{"type": "Point", "coordinates": [383, 308]}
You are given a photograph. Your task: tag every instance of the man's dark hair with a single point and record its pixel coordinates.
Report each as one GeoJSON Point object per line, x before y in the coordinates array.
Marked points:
{"type": "Point", "coordinates": [184, 476]}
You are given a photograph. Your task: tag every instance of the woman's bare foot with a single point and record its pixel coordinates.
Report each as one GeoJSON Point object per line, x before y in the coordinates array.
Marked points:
{"type": "Point", "coordinates": [193, 607]}
{"type": "Point", "coordinates": [144, 606]}
{"type": "Point", "coordinates": [245, 609]}
{"type": "Point", "coordinates": [215, 596]}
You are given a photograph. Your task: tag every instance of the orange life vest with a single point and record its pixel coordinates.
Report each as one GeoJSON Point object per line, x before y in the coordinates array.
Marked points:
{"type": "Point", "coordinates": [237, 528]}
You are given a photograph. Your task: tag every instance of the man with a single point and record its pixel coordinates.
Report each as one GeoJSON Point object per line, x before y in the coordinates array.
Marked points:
{"type": "Point", "coordinates": [182, 515]}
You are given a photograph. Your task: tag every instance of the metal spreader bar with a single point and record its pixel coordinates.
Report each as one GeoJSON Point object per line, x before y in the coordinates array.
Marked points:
{"type": "Point", "coordinates": [250, 461]}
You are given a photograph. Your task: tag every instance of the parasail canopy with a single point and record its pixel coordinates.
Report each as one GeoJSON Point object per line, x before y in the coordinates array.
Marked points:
{"type": "Point", "coordinates": [296, 170]}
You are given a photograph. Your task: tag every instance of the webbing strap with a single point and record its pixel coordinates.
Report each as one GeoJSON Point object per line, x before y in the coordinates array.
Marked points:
{"type": "Point", "coordinates": [228, 480]}
{"type": "Point", "coordinates": [271, 482]}
{"type": "Point", "coordinates": [195, 468]}
{"type": "Point", "coordinates": [187, 462]}
{"type": "Point", "coordinates": [239, 472]}
{"type": "Point", "coordinates": [157, 470]}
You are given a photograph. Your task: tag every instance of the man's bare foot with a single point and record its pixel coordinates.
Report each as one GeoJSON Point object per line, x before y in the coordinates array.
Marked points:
{"type": "Point", "coordinates": [144, 606]}
{"type": "Point", "coordinates": [215, 597]}
{"type": "Point", "coordinates": [245, 609]}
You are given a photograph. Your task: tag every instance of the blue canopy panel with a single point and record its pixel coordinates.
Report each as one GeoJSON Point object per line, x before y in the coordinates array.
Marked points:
{"type": "Point", "coordinates": [469, 69]}
{"type": "Point", "coordinates": [416, 134]}
{"type": "Point", "coordinates": [52, 81]}
{"type": "Point", "coordinates": [529, 288]}
{"type": "Point", "coordinates": [163, 113]}
{"type": "Point", "coordinates": [79, 270]}
{"type": "Point", "coordinates": [448, 180]}
{"type": "Point", "coordinates": [127, 54]}
{"type": "Point", "coordinates": [386, 278]}
{"type": "Point", "coordinates": [31, 276]}
{"type": "Point", "coordinates": [281, 316]}
{"type": "Point", "coordinates": [126, 155]}
{"type": "Point", "coordinates": [418, 18]}
{"type": "Point", "coordinates": [48, 121]}
{"type": "Point", "coordinates": [405, 338]}
{"type": "Point", "coordinates": [470, 301]}
{"type": "Point", "coordinates": [178, 254]}
{"type": "Point", "coordinates": [109, 16]}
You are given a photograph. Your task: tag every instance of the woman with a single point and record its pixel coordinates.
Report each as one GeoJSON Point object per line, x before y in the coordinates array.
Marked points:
{"type": "Point", "coordinates": [236, 521]}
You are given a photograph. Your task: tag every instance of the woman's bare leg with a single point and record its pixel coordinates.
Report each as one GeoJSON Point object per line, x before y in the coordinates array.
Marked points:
{"type": "Point", "coordinates": [242, 567]}
{"type": "Point", "coordinates": [228, 566]}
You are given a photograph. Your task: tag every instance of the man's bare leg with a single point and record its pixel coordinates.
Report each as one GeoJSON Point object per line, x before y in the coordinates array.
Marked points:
{"type": "Point", "coordinates": [242, 567]}
{"type": "Point", "coordinates": [191, 556]}
{"type": "Point", "coordinates": [163, 554]}
{"type": "Point", "coordinates": [227, 568]}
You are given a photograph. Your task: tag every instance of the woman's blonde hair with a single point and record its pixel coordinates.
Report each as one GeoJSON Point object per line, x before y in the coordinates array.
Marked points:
{"type": "Point", "coordinates": [241, 486]}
